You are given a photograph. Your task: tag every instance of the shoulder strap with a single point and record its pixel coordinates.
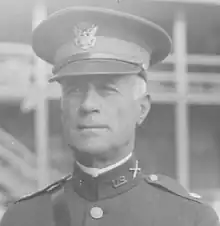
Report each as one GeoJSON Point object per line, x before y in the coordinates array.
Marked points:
{"type": "Point", "coordinates": [171, 185]}
{"type": "Point", "coordinates": [54, 187]}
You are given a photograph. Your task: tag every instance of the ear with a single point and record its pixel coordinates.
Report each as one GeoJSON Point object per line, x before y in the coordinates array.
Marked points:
{"type": "Point", "coordinates": [145, 105]}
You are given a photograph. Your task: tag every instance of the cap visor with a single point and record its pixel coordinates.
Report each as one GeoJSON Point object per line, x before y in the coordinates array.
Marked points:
{"type": "Point", "coordinates": [99, 67]}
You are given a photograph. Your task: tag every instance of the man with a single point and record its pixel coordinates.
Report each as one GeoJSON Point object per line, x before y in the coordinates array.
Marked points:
{"type": "Point", "coordinates": [100, 58]}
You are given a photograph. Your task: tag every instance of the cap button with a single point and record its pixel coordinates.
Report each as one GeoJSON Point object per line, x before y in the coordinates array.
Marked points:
{"type": "Point", "coordinates": [96, 212]}
{"type": "Point", "coordinates": [153, 177]}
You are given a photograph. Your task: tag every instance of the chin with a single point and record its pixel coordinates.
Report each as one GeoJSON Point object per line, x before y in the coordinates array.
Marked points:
{"type": "Point", "coordinates": [92, 147]}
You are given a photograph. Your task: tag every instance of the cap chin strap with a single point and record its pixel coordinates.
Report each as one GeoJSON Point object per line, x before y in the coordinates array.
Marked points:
{"type": "Point", "coordinates": [89, 56]}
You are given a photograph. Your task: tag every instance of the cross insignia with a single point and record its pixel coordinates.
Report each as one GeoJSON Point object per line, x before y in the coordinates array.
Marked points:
{"type": "Point", "coordinates": [135, 170]}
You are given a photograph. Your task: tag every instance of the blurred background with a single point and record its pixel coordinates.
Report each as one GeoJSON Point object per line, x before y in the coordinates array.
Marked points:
{"type": "Point", "coordinates": [181, 136]}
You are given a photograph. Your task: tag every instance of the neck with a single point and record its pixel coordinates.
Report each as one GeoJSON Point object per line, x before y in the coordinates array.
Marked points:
{"type": "Point", "coordinates": [104, 159]}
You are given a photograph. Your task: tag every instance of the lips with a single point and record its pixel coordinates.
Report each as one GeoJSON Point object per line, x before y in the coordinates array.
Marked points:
{"type": "Point", "coordinates": [93, 126]}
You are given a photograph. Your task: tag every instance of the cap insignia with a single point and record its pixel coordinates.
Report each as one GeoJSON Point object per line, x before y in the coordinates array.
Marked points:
{"type": "Point", "coordinates": [85, 36]}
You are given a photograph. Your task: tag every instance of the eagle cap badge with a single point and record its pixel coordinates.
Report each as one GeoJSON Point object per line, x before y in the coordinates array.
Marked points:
{"type": "Point", "coordinates": [85, 35]}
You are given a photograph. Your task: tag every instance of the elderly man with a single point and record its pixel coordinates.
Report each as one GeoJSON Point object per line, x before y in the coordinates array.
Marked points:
{"type": "Point", "coordinates": [100, 58]}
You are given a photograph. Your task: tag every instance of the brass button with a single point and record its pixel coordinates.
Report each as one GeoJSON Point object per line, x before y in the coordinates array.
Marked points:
{"type": "Point", "coordinates": [96, 212]}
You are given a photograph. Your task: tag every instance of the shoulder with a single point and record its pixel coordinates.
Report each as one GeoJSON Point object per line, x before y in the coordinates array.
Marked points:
{"type": "Point", "coordinates": [51, 189]}
{"type": "Point", "coordinates": [170, 185]}
{"type": "Point", "coordinates": [36, 207]}
{"type": "Point", "coordinates": [203, 213]}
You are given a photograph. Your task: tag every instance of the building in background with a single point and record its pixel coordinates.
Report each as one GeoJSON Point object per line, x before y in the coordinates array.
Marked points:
{"type": "Point", "coordinates": [181, 135]}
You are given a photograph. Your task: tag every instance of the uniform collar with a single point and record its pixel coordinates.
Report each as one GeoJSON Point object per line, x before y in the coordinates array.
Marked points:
{"type": "Point", "coordinates": [108, 184]}
{"type": "Point", "coordinates": [95, 172]}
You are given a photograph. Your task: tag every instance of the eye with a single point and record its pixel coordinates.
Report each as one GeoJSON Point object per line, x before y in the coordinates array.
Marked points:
{"type": "Point", "coordinates": [72, 91]}
{"type": "Point", "coordinates": [108, 89]}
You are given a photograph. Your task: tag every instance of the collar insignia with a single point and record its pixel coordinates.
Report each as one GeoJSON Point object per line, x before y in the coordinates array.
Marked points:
{"type": "Point", "coordinates": [135, 170]}
{"type": "Point", "coordinates": [119, 181]}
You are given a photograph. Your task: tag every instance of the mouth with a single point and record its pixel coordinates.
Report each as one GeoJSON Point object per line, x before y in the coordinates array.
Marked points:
{"type": "Point", "coordinates": [91, 127]}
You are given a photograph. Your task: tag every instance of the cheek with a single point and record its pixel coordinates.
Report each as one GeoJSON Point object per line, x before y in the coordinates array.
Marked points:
{"type": "Point", "coordinates": [69, 112]}
{"type": "Point", "coordinates": [126, 115]}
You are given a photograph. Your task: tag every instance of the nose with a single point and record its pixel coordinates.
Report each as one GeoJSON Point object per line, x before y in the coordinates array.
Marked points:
{"type": "Point", "coordinates": [91, 101]}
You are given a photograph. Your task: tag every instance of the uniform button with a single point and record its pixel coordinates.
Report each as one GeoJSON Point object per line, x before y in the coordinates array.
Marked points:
{"type": "Point", "coordinates": [96, 212]}
{"type": "Point", "coordinates": [153, 177]}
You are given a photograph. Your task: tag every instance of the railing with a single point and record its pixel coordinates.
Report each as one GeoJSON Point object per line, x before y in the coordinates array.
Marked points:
{"type": "Point", "coordinates": [208, 2]}
{"type": "Point", "coordinates": [16, 185]}
{"type": "Point", "coordinates": [20, 174]}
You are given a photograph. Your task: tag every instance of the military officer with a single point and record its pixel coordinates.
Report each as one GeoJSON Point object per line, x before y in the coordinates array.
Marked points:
{"type": "Point", "coordinates": [100, 59]}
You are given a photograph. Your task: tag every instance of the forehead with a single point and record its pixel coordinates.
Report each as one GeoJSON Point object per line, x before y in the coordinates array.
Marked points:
{"type": "Point", "coordinates": [121, 80]}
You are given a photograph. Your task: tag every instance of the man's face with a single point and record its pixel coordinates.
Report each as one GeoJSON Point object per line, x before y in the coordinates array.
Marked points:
{"type": "Point", "coordinates": [99, 112]}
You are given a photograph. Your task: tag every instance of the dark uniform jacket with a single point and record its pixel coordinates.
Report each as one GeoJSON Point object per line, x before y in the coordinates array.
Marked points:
{"type": "Point", "coordinates": [125, 196]}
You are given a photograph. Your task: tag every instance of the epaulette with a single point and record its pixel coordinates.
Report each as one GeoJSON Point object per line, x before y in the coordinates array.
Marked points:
{"type": "Point", "coordinates": [54, 187]}
{"type": "Point", "coordinates": [171, 185]}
